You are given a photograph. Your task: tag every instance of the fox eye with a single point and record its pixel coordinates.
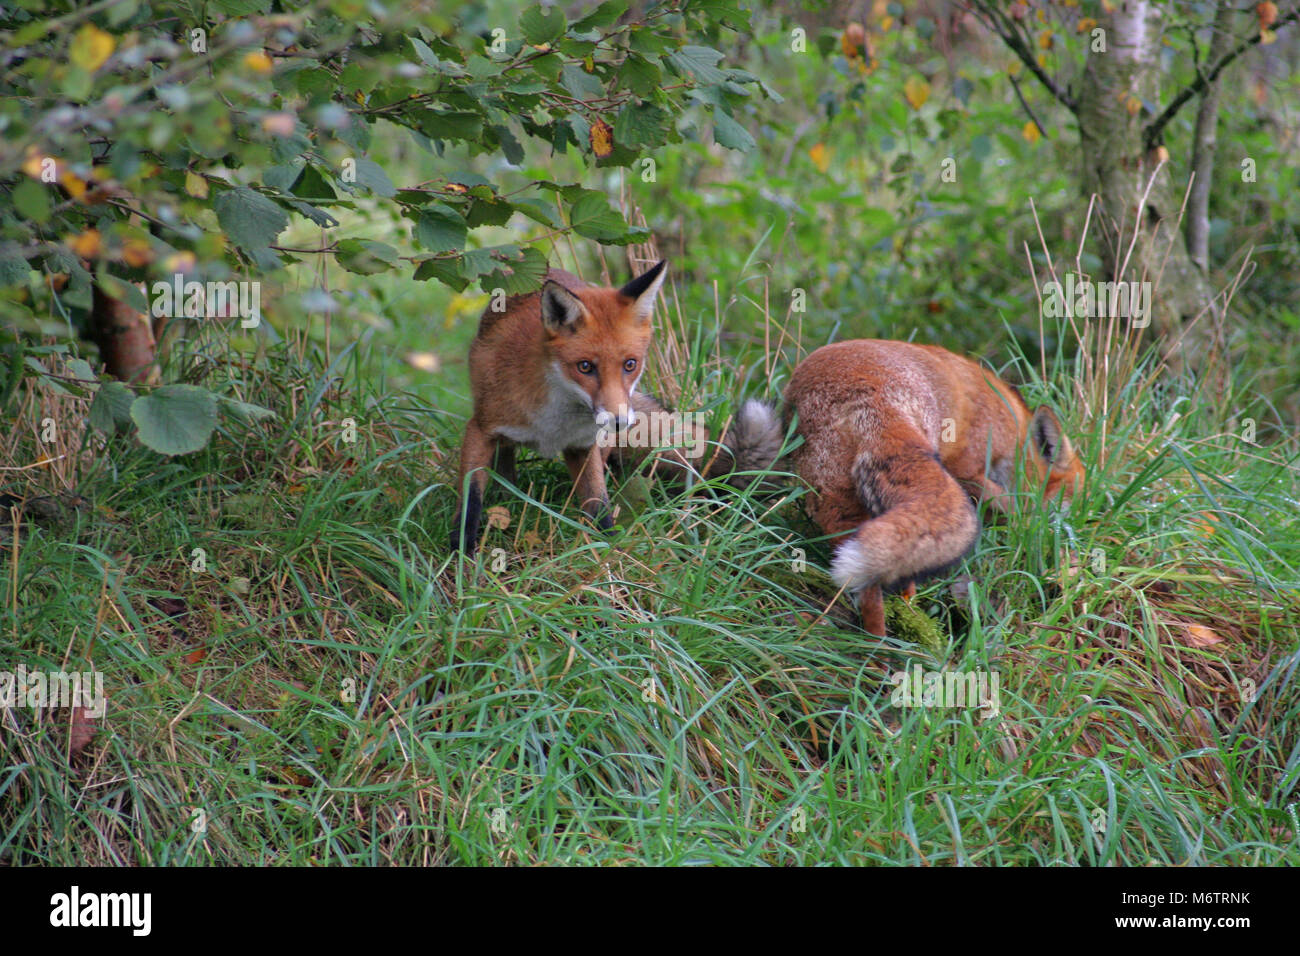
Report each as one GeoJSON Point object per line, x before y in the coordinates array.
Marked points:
{"type": "Point", "coordinates": [629, 365]}
{"type": "Point", "coordinates": [586, 367]}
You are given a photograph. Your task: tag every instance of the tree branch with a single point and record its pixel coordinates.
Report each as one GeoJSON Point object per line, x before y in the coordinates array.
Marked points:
{"type": "Point", "coordinates": [1153, 130]}
{"type": "Point", "coordinates": [996, 20]}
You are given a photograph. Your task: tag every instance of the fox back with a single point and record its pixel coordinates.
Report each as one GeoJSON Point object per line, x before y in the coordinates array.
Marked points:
{"type": "Point", "coordinates": [898, 438]}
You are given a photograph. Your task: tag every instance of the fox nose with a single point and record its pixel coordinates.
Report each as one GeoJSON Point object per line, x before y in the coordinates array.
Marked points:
{"type": "Point", "coordinates": [624, 417]}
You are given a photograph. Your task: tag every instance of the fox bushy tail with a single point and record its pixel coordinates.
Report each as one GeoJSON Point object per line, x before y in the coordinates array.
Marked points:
{"type": "Point", "coordinates": [924, 522]}
{"type": "Point", "coordinates": [752, 444]}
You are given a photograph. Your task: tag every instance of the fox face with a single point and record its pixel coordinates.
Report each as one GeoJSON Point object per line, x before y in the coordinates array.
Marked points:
{"type": "Point", "coordinates": [1049, 456]}
{"type": "Point", "coordinates": [596, 340]}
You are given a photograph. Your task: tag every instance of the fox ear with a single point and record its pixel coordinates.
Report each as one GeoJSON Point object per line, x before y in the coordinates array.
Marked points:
{"type": "Point", "coordinates": [561, 309]}
{"type": "Point", "coordinates": [1048, 438]}
{"type": "Point", "coordinates": [643, 289]}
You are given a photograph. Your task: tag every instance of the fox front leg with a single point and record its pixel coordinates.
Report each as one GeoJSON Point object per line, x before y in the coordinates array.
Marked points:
{"type": "Point", "coordinates": [587, 469]}
{"type": "Point", "coordinates": [475, 457]}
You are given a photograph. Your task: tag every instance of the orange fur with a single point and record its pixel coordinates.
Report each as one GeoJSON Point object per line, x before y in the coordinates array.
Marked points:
{"type": "Point", "coordinates": [548, 372]}
{"type": "Point", "coordinates": [897, 440]}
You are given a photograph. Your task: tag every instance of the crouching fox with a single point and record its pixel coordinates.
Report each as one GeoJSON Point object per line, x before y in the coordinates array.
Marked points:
{"type": "Point", "coordinates": [897, 440]}
{"type": "Point", "coordinates": [554, 370]}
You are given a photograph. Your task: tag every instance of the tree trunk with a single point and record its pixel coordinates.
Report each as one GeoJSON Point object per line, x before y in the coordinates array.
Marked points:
{"type": "Point", "coordinates": [124, 336]}
{"type": "Point", "coordinates": [1121, 171]}
{"type": "Point", "coordinates": [1205, 143]}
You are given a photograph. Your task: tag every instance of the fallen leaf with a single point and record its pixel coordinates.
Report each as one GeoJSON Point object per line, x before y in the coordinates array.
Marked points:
{"type": "Point", "coordinates": [81, 730]}
{"type": "Point", "coordinates": [1198, 635]}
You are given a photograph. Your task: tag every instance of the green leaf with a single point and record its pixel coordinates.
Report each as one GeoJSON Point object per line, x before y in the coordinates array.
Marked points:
{"type": "Point", "coordinates": [542, 26]}
{"type": "Point", "coordinates": [424, 53]}
{"type": "Point", "coordinates": [110, 412]}
{"type": "Point", "coordinates": [440, 228]}
{"type": "Point", "coordinates": [32, 200]}
{"type": "Point", "coordinates": [14, 269]}
{"type": "Point", "coordinates": [517, 274]}
{"type": "Point", "coordinates": [640, 75]}
{"type": "Point", "coordinates": [593, 217]}
{"type": "Point", "coordinates": [250, 219]}
{"type": "Point", "coordinates": [118, 288]}
{"type": "Point", "coordinates": [697, 63]}
{"type": "Point", "coordinates": [581, 84]}
{"type": "Point", "coordinates": [446, 271]}
{"type": "Point", "coordinates": [371, 176]}
{"type": "Point", "coordinates": [602, 16]}
{"type": "Point", "coordinates": [538, 210]}
{"type": "Point", "coordinates": [175, 419]}
{"type": "Point", "coordinates": [80, 369]}
{"type": "Point", "coordinates": [245, 411]}
{"type": "Point", "coordinates": [731, 134]}
{"type": "Point", "coordinates": [641, 124]}
{"type": "Point", "coordinates": [365, 256]}
{"type": "Point", "coordinates": [451, 125]}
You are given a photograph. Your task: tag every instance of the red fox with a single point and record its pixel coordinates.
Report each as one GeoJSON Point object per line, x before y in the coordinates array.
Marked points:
{"type": "Point", "coordinates": [897, 439]}
{"type": "Point", "coordinates": [550, 372]}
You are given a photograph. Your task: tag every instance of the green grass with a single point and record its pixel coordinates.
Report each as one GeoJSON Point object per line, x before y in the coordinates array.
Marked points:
{"type": "Point", "coordinates": [340, 690]}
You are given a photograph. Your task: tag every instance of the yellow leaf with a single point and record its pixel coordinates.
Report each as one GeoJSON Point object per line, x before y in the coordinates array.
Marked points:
{"type": "Point", "coordinates": [1045, 39]}
{"type": "Point", "coordinates": [1267, 36]}
{"type": "Point", "coordinates": [137, 253]}
{"type": "Point", "coordinates": [885, 23]}
{"type": "Point", "coordinates": [1042, 60]}
{"type": "Point", "coordinates": [1085, 25]}
{"type": "Point", "coordinates": [34, 164]}
{"type": "Point", "coordinates": [86, 245]}
{"type": "Point", "coordinates": [1030, 132]}
{"type": "Point", "coordinates": [196, 185]}
{"type": "Point", "coordinates": [602, 138]}
{"type": "Point", "coordinates": [258, 62]}
{"type": "Point", "coordinates": [1133, 105]}
{"type": "Point", "coordinates": [821, 157]}
{"type": "Point", "coordinates": [916, 91]}
{"type": "Point", "coordinates": [75, 186]}
{"type": "Point", "coordinates": [183, 262]}
{"type": "Point", "coordinates": [1013, 68]}
{"type": "Point", "coordinates": [91, 47]}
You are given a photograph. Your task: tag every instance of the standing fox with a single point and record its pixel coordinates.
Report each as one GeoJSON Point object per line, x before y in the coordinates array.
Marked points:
{"type": "Point", "coordinates": [898, 438]}
{"type": "Point", "coordinates": [550, 372]}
